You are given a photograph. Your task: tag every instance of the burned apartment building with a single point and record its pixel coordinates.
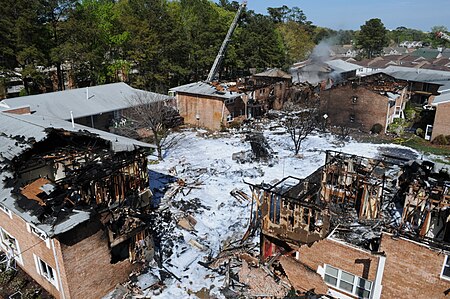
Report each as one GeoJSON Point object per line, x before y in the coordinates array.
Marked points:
{"type": "Point", "coordinates": [215, 105]}
{"type": "Point", "coordinates": [360, 228]}
{"type": "Point", "coordinates": [365, 102]}
{"type": "Point", "coordinates": [74, 204]}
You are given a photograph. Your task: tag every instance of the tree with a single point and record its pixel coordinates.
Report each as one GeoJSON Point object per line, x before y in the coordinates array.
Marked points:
{"type": "Point", "coordinates": [372, 38]}
{"type": "Point", "coordinates": [154, 112]}
{"type": "Point", "coordinates": [299, 122]}
{"type": "Point", "coordinates": [297, 42]}
{"type": "Point", "coordinates": [437, 41]}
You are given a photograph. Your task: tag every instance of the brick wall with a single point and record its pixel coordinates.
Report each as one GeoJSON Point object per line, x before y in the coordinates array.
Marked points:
{"type": "Point", "coordinates": [344, 257]}
{"type": "Point", "coordinates": [88, 270]}
{"type": "Point", "coordinates": [211, 111]}
{"type": "Point", "coordinates": [370, 108]}
{"type": "Point", "coordinates": [412, 270]}
{"type": "Point", "coordinates": [30, 244]}
{"type": "Point", "coordinates": [441, 120]}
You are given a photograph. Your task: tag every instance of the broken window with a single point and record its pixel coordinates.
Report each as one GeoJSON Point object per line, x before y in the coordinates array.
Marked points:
{"type": "Point", "coordinates": [446, 268]}
{"type": "Point", "coordinates": [10, 245]}
{"type": "Point", "coordinates": [347, 282]}
{"type": "Point", "coordinates": [45, 270]}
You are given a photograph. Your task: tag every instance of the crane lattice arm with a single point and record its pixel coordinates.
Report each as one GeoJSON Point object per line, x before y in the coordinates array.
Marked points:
{"type": "Point", "coordinates": [218, 61]}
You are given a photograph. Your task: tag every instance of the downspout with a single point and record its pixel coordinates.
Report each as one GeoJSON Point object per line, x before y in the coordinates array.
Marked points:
{"type": "Point", "coordinates": [377, 287]}
{"type": "Point", "coordinates": [57, 271]}
{"type": "Point", "coordinates": [223, 111]}
{"type": "Point", "coordinates": [387, 118]}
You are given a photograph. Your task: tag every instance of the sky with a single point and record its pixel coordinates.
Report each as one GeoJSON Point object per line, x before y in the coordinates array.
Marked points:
{"type": "Point", "coordinates": [351, 14]}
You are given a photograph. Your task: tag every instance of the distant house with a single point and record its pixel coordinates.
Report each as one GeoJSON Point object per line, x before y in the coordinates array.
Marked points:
{"type": "Point", "coordinates": [342, 51]}
{"type": "Point", "coordinates": [73, 204]}
{"type": "Point", "coordinates": [207, 105]}
{"type": "Point", "coordinates": [394, 51]}
{"type": "Point", "coordinates": [13, 84]}
{"type": "Point", "coordinates": [96, 107]}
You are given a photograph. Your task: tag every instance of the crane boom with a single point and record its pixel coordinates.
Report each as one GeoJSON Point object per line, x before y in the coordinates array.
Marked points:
{"type": "Point", "coordinates": [218, 61]}
{"type": "Point", "coordinates": [443, 35]}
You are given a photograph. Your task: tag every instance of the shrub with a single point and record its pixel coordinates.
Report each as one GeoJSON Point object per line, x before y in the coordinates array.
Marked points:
{"type": "Point", "coordinates": [440, 140]}
{"type": "Point", "coordinates": [376, 129]}
{"type": "Point", "coordinates": [420, 132]}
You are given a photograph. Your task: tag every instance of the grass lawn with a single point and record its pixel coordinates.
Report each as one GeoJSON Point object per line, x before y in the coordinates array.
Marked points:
{"type": "Point", "coordinates": [425, 147]}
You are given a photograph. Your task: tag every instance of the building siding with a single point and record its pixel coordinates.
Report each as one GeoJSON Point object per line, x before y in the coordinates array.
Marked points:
{"type": "Point", "coordinates": [370, 108]}
{"type": "Point", "coordinates": [441, 120]}
{"type": "Point", "coordinates": [30, 244]}
{"type": "Point", "coordinates": [412, 270]}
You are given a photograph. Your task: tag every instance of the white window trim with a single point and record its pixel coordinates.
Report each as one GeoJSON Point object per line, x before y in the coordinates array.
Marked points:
{"type": "Point", "coordinates": [37, 261]}
{"type": "Point", "coordinates": [6, 210]}
{"type": "Point", "coordinates": [38, 233]}
{"type": "Point", "coordinates": [355, 283]}
{"type": "Point", "coordinates": [443, 267]}
{"type": "Point", "coordinates": [18, 255]}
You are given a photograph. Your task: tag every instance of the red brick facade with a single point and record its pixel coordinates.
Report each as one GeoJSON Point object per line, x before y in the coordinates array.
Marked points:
{"type": "Point", "coordinates": [208, 112]}
{"type": "Point", "coordinates": [441, 120]}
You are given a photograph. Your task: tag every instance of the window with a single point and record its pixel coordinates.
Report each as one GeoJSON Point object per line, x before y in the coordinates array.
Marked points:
{"type": "Point", "coordinates": [446, 268]}
{"type": "Point", "coordinates": [6, 210]}
{"type": "Point", "coordinates": [9, 243]}
{"type": "Point", "coordinates": [45, 270]}
{"type": "Point", "coordinates": [348, 282]}
{"type": "Point", "coordinates": [38, 233]}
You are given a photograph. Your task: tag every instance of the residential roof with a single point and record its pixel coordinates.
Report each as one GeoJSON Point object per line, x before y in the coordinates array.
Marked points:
{"type": "Point", "coordinates": [82, 102]}
{"type": "Point", "coordinates": [431, 53]}
{"type": "Point", "coordinates": [18, 133]}
{"type": "Point", "coordinates": [341, 66]}
{"type": "Point", "coordinates": [442, 98]}
{"type": "Point", "coordinates": [418, 75]}
{"type": "Point", "coordinates": [206, 89]}
{"type": "Point", "coordinates": [274, 73]}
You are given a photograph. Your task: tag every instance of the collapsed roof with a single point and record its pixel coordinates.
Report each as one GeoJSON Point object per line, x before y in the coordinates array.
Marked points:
{"type": "Point", "coordinates": [36, 139]}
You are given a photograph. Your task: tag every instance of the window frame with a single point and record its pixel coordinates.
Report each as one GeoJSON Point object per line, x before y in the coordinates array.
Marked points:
{"type": "Point", "coordinates": [446, 264]}
{"type": "Point", "coordinates": [38, 233]}
{"type": "Point", "coordinates": [40, 264]}
{"type": "Point", "coordinates": [356, 285]}
{"type": "Point", "coordinates": [4, 245]}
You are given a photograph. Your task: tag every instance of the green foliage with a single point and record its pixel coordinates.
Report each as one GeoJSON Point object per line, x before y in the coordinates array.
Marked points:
{"type": "Point", "coordinates": [397, 127]}
{"type": "Point", "coordinates": [152, 44]}
{"type": "Point", "coordinates": [435, 40]}
{"type": "Point", "coordinates": [376, 128]}
{"type": "Point", "coordinates": [401, 34]}
{"type": "Point", "coordinates": [420, 132]}
{"type": "Point", "coordinates": [372, 38]}
{"type": "Point", "coordinates": [296, 41]}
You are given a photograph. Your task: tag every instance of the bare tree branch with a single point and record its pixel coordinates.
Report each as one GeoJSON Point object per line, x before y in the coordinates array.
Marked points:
{"type": "Point", "coordinates": [156, 113]}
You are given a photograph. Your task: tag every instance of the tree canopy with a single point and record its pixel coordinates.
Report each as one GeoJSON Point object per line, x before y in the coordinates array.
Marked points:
{"type": "Point", "coordinates": [372, 37]}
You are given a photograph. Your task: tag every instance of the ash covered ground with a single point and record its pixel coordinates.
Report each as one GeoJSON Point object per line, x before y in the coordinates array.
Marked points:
{"type": "Point", "coordinates": [194, 183]}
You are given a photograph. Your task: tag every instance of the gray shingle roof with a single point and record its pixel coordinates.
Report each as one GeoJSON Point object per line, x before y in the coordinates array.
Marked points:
{"type": "Point", "coordinates": [417, 75]}
{"type": "Point", "coordinates": [82, 101]}
{"type": "Point", "coordinates": [205, 89]}
{"type": "Point", "coordinates": [340, 65]}
{"type": "Point", "coordinates": [25, 127]}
